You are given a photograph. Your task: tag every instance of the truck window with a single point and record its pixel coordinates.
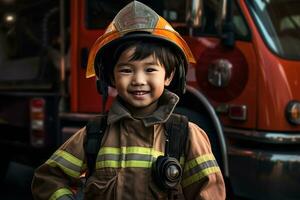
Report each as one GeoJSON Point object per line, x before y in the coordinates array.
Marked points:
{"type": "Point", "coordinates": [100, 13]}
{"type": "Point", "coordinates": [17, 58]}
{"type": "Point", "coordinates": [28, 44]}
{"type": "Point", "coordinates": [210, 20]}
{"type": "Point", "coordinates": [279, 24]}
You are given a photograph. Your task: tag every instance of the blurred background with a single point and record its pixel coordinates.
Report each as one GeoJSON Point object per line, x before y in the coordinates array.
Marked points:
{"type": "Point", "coordinates": [29, 64]}
{"type": "Point", "coordinates": [243, 90]}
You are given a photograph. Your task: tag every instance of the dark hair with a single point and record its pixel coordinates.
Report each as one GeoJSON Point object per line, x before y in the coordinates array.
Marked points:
{"type": "Point", "coordinates": [168, 55]}
{"type": "Point", "coordinates": [165, 55]}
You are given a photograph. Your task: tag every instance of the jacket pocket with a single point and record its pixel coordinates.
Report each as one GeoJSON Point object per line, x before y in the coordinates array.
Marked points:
{"type": "Point", "coordinates": [101, 185]}
{"type": "Point", "coordinates": [156, 193]}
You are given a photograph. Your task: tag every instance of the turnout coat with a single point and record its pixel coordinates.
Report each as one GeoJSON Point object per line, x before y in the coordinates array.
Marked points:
{"type": "Point", "coordinates": [129, 147]}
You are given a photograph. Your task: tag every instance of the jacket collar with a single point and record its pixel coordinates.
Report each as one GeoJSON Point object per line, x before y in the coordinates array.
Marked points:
{"type": "Point", "coordinates": [166, 105]}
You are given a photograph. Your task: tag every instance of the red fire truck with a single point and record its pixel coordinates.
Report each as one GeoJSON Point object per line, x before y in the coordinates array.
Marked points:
{"type": "Point", "coordinates": [242, 90]}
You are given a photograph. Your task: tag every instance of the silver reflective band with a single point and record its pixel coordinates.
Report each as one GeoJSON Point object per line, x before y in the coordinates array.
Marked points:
{"type": "Point", "coordinates": [142, 17]}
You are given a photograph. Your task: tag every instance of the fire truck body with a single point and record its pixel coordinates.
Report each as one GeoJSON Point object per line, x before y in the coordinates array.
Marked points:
{"type": "Point", "coordinates": [242, 90]}
{"type": "Point", "coordinates": [263, 153]}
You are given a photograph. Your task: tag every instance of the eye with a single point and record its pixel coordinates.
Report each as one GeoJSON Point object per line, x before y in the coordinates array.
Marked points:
{"type": "Point", "coordinates": [151, 69]}
{"type": "Point", "coordinates": [125, 70]}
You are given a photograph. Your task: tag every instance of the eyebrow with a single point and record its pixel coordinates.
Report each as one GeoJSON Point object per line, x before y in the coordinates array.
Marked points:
{"type": "Point", "coordinates": [128, 63]}
{"type": "Point", "coordinates": [122, 64]}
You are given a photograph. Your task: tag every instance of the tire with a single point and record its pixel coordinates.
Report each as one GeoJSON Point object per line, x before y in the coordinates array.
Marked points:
{"type": "Point", "coordinates": [205, 123]}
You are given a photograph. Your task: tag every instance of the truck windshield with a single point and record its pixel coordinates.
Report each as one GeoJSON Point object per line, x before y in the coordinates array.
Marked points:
{"type": "Point", "coordinates": [100, 13]}
{"type": "Point", "coordinates": [279, 23]}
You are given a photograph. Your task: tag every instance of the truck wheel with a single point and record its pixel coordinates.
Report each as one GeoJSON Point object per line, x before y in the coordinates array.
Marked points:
{"type": "Point", "coordinates": [204, 122]}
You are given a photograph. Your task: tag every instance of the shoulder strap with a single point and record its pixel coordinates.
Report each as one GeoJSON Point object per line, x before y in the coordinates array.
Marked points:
{"type": "Point", "coordinates": [176, 128]}
{"type": "Point", "coordinates": [177, 131]}
{"type": "Point", "coordinates": [95, 130]}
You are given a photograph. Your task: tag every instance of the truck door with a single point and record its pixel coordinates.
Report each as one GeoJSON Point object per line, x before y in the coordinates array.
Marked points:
{"type": "Point", "coordinates": [226, 69]}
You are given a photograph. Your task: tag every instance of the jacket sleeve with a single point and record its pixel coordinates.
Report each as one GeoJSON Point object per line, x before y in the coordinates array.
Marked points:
{"type": "Point", "coordinates": [202, 178]}
{"type": "Point", "coordinates": [54, 179]}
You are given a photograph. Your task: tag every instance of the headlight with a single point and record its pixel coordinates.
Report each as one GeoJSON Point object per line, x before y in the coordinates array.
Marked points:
{"type": "Point", "coordinates": [219, 73]}
{"type": "Point", "coordinates": [293, 112]}
{"type": "Point", "coordinates": [9, 18]}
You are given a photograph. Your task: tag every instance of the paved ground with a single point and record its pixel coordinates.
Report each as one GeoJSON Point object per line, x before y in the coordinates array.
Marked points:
{"type": "Point", "coordinates": [15, 184]}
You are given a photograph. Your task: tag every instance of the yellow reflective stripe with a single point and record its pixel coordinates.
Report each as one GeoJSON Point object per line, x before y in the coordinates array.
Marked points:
{"type": "Point", "coordinates": [201, 159]}
{"type": "Point", "coordinates": [182, 160]}
{"type": "Point", "coordinates": [123, 164]}
{"type": "Point", "coordinates": [130, 150]}
{"type": "Point", "coordinates": [69, 157]}
{"type": "Point", "coordinates": [59, 193]}
{"type": "Point", "coordinates": [198, 168]}
{"type": "Point", "coordinates": [196, 177]}
{"type": "Point", "coordinates": [84, 166]}
{"type": "Point", "coordinates": [109, 150]}
{"type": "Point", "coordinates": [68, 171]}
{"type": "Point", "coordinates": [141, 150]}
{"type": "Point", "coordinates": [131, 153]}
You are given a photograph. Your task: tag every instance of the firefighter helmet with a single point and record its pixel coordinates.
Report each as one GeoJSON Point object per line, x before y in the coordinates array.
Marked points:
{"type": "Point", "coordinates": [137, 21]}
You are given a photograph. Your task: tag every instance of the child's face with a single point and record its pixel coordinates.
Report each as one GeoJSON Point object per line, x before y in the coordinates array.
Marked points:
{"type": "Point", "coordinates": [140, 82]}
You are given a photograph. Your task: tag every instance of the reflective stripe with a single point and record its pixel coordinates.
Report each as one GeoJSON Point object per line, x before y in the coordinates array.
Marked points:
{"type": "Point", "coordinates": [196, 177]}
{"type": "Point", "coordinates": [70, 172]}
{"type": "Point", "coordinates": [60, 193]}
{"type": "Point", "coordinates": [130, 150]}
{"type": "Point", "coordinates": [123, 164]}
{"type": "Point", "coordinates": [72, 159]}
{"type": "Point", "coordinates": [181, 160]}
{"type": "Point", "coordinates": [198, 168]}
{"type": "Point", "coordinates": [66, 197]}
{"type": "Point", "coordinates": [201, 159]}
{"type": "Point", "coordinates": [123, 157]}
{"type": "Point", "coordinates": [67, 162]}
{"type": "Point", "coordinates": [201, 166]}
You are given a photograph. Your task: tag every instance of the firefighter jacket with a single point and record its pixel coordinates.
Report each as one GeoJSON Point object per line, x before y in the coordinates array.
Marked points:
{"type": "Point", "coordinates": [129, 147]}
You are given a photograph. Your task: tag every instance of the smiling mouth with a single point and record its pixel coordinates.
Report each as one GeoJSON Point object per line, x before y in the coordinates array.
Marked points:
{"type": "Point", "coordinates": [139, 93]}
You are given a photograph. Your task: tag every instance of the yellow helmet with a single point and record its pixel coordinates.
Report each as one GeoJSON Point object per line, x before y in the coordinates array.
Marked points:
{"type": "Point", "coordinates": [137, 20]}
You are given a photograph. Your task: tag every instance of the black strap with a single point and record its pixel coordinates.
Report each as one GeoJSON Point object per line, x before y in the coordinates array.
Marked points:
{"type": "Point", "coordinates": [95, 130]}
{"type": "Point", "coordinates": [177, 131]}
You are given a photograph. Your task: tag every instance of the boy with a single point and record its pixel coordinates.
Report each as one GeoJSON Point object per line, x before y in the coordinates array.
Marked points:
{"type": "Point", "coordinates": [139, 55]}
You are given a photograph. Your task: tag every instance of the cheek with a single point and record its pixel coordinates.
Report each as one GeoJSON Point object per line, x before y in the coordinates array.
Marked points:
{"type": "Point", "coordinates": [116, 78]}
{"type": "Point", "coordinates": [121, 83]}
{"type": "Point", "coordinates": [159, 83]}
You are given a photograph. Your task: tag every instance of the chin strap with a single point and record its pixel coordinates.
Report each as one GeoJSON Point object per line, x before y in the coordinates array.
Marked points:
{"type": "Point", "coordinates": [102, 88]}
{"type": "Point", "coordinates": [102, 85]}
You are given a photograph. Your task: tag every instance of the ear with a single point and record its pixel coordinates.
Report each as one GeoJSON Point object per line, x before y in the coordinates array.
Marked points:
{"type": "Point", "coordinates": [112, 80]}
{"type": "Point", "coordinates": [169, 79]}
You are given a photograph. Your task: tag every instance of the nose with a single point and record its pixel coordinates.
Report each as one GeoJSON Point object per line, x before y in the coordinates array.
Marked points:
{"type": "Point", "coordinates": [139, 78]}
